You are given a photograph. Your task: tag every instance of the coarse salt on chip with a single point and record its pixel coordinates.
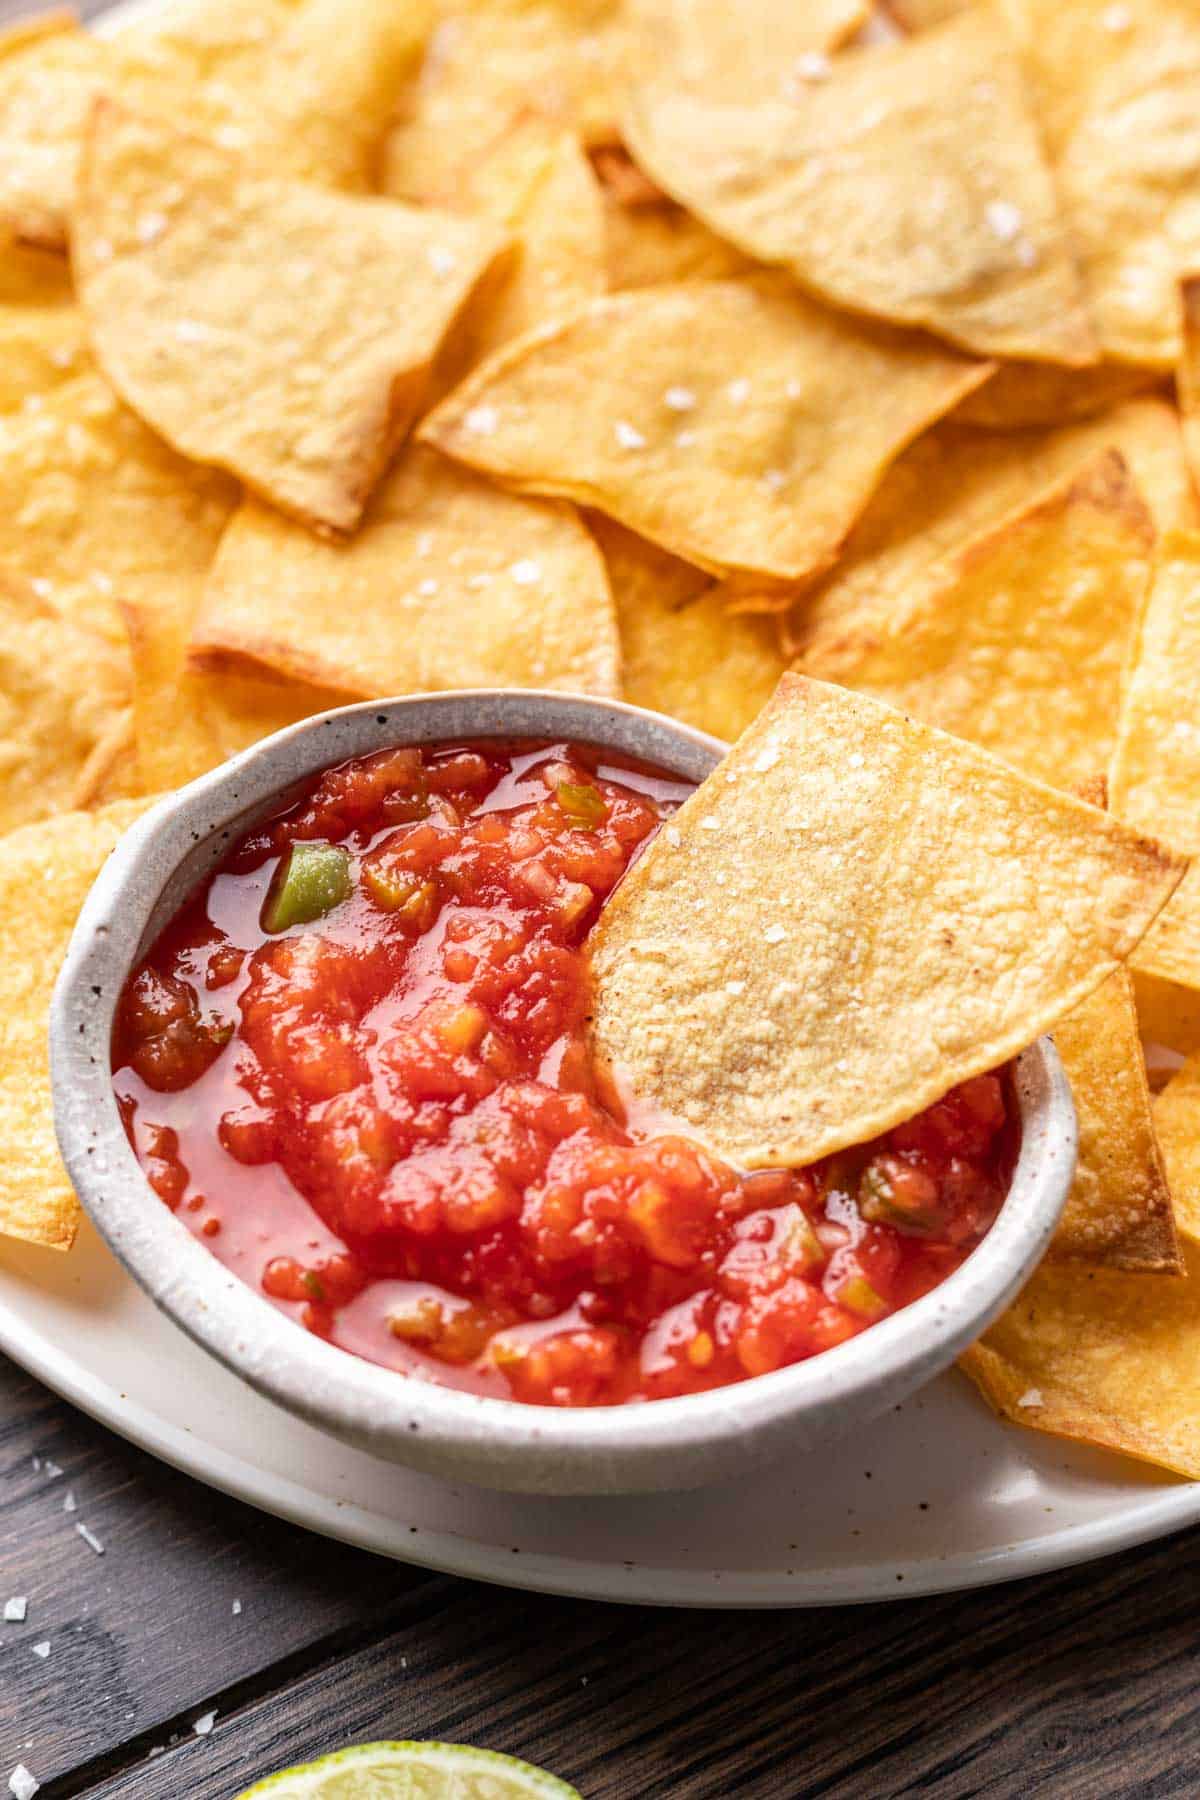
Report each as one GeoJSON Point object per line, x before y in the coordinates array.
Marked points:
{"type": "Point", "coordinates": [1120, 112]}
{"type": "Point", "coordinates": [909, 184]}
{"type": "Point", "coordinates": [756, 50]}
{"type": "Point", "coordinates": [46, 870]}
{"type": "Point", "coordinates": [955, 482]}
{"type": "Point", "coordinates": [904, 910]}
{"type": "Point", "coordinates": [279, 331]}
{"type": "Point", "coordinates": [1022, 645]}
{"type": "Point", "coordinates": [1154, 779]}
{"type": "Point", "coordinates": [682, 651]}
{"type": "Point", "coordinates": [97, 508]}
{"type": "Point", "coordinates": [64, 690]}
{"type": "Point", "coordinates": [450, 583]}
{"type": "Point", "coordinates": [1118, 1214]}
{"type": "Point", "coordinates": [306, 90]}
{"type": "Point", "coordinates": [798, 410]}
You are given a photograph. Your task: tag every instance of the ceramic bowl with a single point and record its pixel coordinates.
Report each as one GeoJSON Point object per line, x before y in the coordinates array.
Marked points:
{"type": "Point", "coordinates": [669, 1444]}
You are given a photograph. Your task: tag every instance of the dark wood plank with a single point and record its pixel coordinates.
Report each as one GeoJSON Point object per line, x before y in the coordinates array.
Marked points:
{"type": "Point", "coordinates": [1079, 1686]}
{"type": "Point", "coordinates": [147, 1631]}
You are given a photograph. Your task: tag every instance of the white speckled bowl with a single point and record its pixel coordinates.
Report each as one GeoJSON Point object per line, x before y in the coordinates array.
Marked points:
{"type": "Point", "coordinates": [683, 1443]}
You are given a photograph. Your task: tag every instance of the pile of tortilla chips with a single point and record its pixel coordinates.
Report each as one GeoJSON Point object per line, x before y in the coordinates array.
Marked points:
{"type": "Point", "coordinates": [655, 348]}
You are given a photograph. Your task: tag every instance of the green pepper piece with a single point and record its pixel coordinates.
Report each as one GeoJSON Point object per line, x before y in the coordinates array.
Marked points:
{"type": "Point", "coordinates": [858, 1296]}
{"type": "Point", "coordinates": [903, 1199]}
{"type": "Point", "coordinates": [583, 805]}
{"type": "Point", "coordinates": [310, 881]}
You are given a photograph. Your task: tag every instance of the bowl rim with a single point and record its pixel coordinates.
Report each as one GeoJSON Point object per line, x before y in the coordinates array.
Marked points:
{"type": "Point", "coordinates": [332, 1388]}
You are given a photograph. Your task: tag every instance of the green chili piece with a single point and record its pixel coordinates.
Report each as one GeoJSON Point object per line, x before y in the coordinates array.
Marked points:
{"type": "Point", "coordinates": [310, 881]}
{"type": "Point", "coordinates": [583, 805]}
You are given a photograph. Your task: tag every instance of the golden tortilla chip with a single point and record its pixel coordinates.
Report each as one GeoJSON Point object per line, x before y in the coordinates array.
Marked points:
{"type": "Point", "coordinates": [536, 185]}
{"type": "Point", "coordinates": [1023, 644]}
{"type": "Point", "coordinates": [853, 914]}
{"type": "Point", "coordinates": [1021, 394]}
{"type": "Point", "coordinates": [739, 426]}
{"type": "Point", "coordinates": [650, 245]}
{"type": "Point", "coordinates": [450, 583]}
{"type": "Point", "coordinates": [1118, 1214]}
{"type": "Point", "coordinates": [45, 872]}
{"type": "Point", "coordinates": [682, 651]}
{"type": "Point", "coordinates": [753, 51]}
{"type": "Point", "coordinates": [907, 182]}
{"type": "Point", "coordinates": [1177, 1122]}
{"type": "Point", "coordinates": [33, 278]}
{"type": "Point", "coordinates": [304, 90]}
{"type": "Point", "coordinates": [186, 721]}
{"type": "Point", "coordinates": [1154, 779]}
{"type": "Point", "coordinates": [956, 482]}
{"type": "Point", "coordinates": [40, 347]}
{"type": "Point", "coordinates": [276, 330]}
{"type": "Point", "coordinates": [489, 63]}
{"type": "Point", "coordinates": [1187, 376]}
{"type": "Point", "coordinates": [96, 507]}
{"type": "Point", "coordinates": [919, 15]}
{"type": "Point", "coordinates": [1168, 1015]}
{"type": "Point", "coordinates": [1102, 1358]}
{"type": "Point", "coordinates": [62, 687]}
{"type": "Point", "coordinates": [1118, 97]}
{"type": "Point", "coordinates": [111, 771]}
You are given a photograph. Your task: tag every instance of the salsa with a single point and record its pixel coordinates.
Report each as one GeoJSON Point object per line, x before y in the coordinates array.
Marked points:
{"type": "Point", "coordinates": [356, 1065]}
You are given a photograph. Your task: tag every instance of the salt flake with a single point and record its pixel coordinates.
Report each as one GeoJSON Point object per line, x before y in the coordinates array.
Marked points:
{"type": "Point", "coordinates": [628, 436]}
{"type": "Point", "coordinates": [766, 759]}
{"type": "Point", "coordinates": [90, 1539]}
{"type": "Point", "coordinates": [42, 1649]}
{"type": "Point", "coordinates": [204, 1724]}
{"type": "Point", "coordinates": [738, 391]}
{"type": "Point", "coordinates": [774, 934]}
{"type": "Point", "coordinates": [679, 399]}
{"type": "Point", "coordinates": [15, 1610]}
{"type": "Point", "coordinates": [1004, 219]}
{"type": "Point", "coordinates": [23, 1785]}
{"type": "Point", "coordinates": [526, 572]}
{"type": "Point", "coordinates": [1031, 1397]}
{"type": "Point", "coordinates": [482, 420]}
{"type": "Point", "coordinates": [443, 262]}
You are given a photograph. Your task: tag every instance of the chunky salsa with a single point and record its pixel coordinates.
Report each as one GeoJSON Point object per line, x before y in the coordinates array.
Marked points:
{"type": "Point", "coordinates": [356, 1066]}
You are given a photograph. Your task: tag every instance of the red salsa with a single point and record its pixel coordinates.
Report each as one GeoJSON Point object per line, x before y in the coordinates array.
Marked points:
{"type": "Point", "coordinates": [356, 1065]}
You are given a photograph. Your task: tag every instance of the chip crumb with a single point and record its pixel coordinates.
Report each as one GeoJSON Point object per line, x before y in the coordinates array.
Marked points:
{"type": "Point", "coordinates": [1031, 1397]}
{"type": "Point", "coordinates": [22, 1784]}
{"type": "Point", "coordinates": [15, 1610]}
{"type": "Point", "coordinates": [90, 1539]}
{"type": "Point", "coordinates": [628, 436]}
{"type": "Point", "coordinates": [204, 1724]}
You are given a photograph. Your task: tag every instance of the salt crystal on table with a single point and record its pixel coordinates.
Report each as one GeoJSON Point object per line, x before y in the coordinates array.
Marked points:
{"type": "Point", "coordinates": [15, 1610]}
{"type": "Point", "coordinates": [42, 1649]}
{"type": "Point", "coordinates": [204, 1724]}
{"type": "Point", "coordinates": [21, 1784]}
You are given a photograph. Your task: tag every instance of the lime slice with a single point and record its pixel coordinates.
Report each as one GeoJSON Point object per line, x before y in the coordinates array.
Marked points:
{"type": "Point", "coordinates": [413, 1772]}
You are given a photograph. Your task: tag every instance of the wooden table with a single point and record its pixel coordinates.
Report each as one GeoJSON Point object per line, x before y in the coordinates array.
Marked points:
{"type": "Point", "coordinates": [1074, 1686]}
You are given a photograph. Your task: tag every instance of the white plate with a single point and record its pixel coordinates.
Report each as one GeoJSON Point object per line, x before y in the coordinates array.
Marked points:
{"type": "Point", "coordinates": [938, 1495]}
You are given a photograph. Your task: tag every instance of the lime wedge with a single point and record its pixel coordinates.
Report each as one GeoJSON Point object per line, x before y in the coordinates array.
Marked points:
{"type": "Point", "coordinates": [413, 1772]}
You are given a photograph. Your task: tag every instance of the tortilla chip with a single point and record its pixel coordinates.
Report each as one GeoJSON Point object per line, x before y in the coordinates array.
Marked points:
{"type": "Point", "coordinates": [919, 15]}
{"type": "Point", "coordinates": [1118, 97]}
{"type": "Point", "coordinates": [186, 721]}
{"type": "Point", "coordinates": [1168, 1014]}
{"type": "Point", "coordinates": [45, 872]}
{"type": "Point", "coordinates": [754, 51]}
{"type": "Point", "coordinates": [650, 245]}
{"type": "Point", "coordinates": [1102, 1358]}
{"type": "Point", "coordinates": [489, 63]}
{"type": "Point", "coordinates": [1187, 376]}
{"type": "Point", "coordinates": [33, 278]}
{"type": "Point", "coordinates": [451, 583]}
{"type": "Point", "coordinates": [739, 426]}
{"type": "Point", "coordinates": [536, 185]}
{"type": "Point", "coordinates": [1023, 644]}
{"type": "Point", "coordinates": [1177, 1122]}
{"type": "Point", "coordinates": [1023, 394]}
{"type": "Point", "coordinates": [1155, 774]}
{"type": "Point", "coordinates": [281, 332]}
{"type": "Point", "coordinates": [111, 771]}
{"type": "Point", "coordinates": [1118, 1214]}
{"type": "Point", "coordinates": [907, 183]}
{"type": "Point", "coordinates": [62, 685]}
{"type": "Point", "coordinates": [956, 482]}
{"type": "Point", "coordinates": [40, 347]}
{"type": "Point", "coordinates": [96, 507]}
{"type": "Point", "coordinates": [853, 914]}
{"type": "Point", "coordinates": [306, 91]}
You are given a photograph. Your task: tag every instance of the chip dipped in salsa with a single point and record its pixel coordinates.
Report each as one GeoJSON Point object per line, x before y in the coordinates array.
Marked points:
{"type": "Point", "coordinates": [356, 1065]}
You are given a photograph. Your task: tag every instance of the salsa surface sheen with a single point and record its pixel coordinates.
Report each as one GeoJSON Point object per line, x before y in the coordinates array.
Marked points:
{"type": "Point", "coordinates": [381, 1112]}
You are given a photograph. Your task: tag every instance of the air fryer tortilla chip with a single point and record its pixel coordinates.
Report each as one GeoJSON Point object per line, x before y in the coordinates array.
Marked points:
{"type": "Point", "coordinates": [1118, 98]}
{"type": "Point", "coordinates": [40, 347]}
{"type": "Point", "coordinates": [907, 183]}
{"type": "Point", "coordinates": [1021, 394]}
{"type": "Point", "coordinates": [1023, 644]}
{"type": "Point", "coordinates": [1168, 1016]}
{"type": "Point", "coordinates": [956, 482]}
{"type": "Point", "coordinates": [1154, 779]}
{"type": "Point", "coordinates": [304, 90]}
{"type": "Point", "coordinates": [490, 62]}
{"type": "Point", "coordinates": [450, 583]}
{"type": "Point", "coordinates": [46, 870]}
{"type": "Point", "coordinates": [1118, 1214]}
{"type": "Point", "coordinates": [62, 686]}
{"type": "Point", "coordinates": [1187, 376]}
{"type": "Point", "coordinates": [650, 245]}
{"type": "Point", "coordinates": [851, 915]}
{"type": "Point", "coordinates": [1102, 1358]}
{"type": "Point", "coordinates": [756, 50]}
{"type": "Point", "coordinates": [1177, 1122]}
{"type": "Point", "coordinates": [682, 651]}
{"type": "Point", "coordinates": [919, 15]}
{"type": "Point", "coordinates": [739, 426]}
{"type": "Point", "coordinates": [281, 332]}
{"type": "Point", "coordinates": [97, 508]}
